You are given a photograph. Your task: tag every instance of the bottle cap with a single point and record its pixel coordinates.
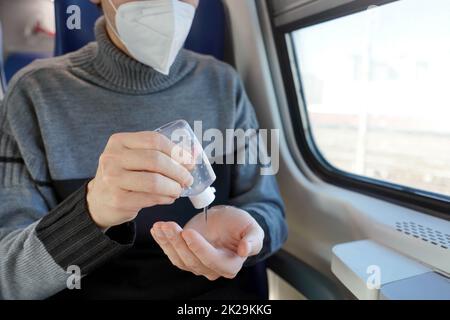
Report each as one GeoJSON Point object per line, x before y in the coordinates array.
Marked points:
{"type": "Point", "coordinates": [203, 199]}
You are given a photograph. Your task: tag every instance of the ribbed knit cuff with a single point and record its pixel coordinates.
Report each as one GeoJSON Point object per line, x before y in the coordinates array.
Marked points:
{"type": "Point", "coordinates": [73, 239]}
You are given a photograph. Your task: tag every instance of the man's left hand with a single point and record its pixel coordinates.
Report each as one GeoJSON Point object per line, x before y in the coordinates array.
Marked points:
{"type": "Point", "coordinates": [213, 249]}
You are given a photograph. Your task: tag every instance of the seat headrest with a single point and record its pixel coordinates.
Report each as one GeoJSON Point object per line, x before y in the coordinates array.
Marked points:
{"type": "Point", "coordinates": [207, 35]}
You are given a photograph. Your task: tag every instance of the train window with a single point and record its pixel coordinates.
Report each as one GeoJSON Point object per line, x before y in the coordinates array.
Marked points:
{"type": "Point", "coordinates": [375, 90]}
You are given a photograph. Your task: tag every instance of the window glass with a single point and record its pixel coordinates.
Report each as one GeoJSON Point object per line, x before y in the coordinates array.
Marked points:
{"type": "Point", "coordinates": [377, 92]}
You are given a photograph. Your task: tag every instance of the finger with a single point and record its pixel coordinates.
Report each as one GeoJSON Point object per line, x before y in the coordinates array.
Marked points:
{"type": "Point", "coordinates": [226, 264]}
{"type": "Point", "coordinates": [151, 140]}
{"type": "Point", "coordinates": [135, 201]}
{"type": "Point", "coordinates": [164, 243]}
{"type": "Point", "coordinates": [158, 162]}
{"type": "Point", "coordinates": [173, 234]}
{"type": "Point", "coordinates": [153, 183]}
{"type": "Point", "coordinates": [252, 241]}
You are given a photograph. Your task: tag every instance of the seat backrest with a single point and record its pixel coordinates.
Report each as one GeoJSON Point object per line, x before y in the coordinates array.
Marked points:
{"type": "Point", "coordinates": [71, 39]}
{"type": "Point", "coordinates": [208, 34]}
{"type": "Point", "coordinates": [209, 29]}
{"type": "Point", "coordinates": [18, 60]}
{"type": "Point", "coordinates": [2, 70]}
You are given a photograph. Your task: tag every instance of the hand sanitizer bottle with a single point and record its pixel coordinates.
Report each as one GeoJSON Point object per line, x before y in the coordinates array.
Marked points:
{"type": "Point", "coordinates": [200, 193]}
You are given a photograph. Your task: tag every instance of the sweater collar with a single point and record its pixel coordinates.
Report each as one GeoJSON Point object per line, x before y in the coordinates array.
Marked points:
{"type": "Point", "coordinates": [120, 72]}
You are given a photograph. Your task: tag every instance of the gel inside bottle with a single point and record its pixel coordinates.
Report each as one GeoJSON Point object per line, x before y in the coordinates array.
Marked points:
{"type": "Point", "coordinates": [200, 193]}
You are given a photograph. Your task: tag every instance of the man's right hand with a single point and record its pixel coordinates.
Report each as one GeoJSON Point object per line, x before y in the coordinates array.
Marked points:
{"type": "Point", "coordinates": [136, 171]}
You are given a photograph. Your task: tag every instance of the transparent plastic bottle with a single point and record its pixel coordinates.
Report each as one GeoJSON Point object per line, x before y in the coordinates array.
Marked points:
{"type": "Point", "coordinates": [200, 193]}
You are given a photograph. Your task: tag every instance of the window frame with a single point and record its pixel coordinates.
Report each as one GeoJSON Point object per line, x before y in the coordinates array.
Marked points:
{"type": "Point", "coordinates": [425, 201]}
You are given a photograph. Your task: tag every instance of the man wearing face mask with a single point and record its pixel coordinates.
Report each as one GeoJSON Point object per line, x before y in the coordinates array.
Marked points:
{"type": "Point", "coordinates": [89, 189]}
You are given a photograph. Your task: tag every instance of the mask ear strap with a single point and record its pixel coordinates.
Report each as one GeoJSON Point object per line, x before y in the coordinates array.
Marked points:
{"type": "Point", "coordinates": [112, 27]}
{"type": "Point", "coordinates": [113, 6]}
{"type": "Point", "coordinates": [109, 21]}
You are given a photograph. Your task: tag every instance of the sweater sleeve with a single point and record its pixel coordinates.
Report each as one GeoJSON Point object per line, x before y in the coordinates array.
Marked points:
{"type": "Point", "coordinates": [40, 238]}
{"type": "Point", "coordinates": [253, 190]}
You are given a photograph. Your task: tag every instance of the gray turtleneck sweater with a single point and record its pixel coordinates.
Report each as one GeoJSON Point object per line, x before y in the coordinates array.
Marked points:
{"type": "Point", "coordinates": [55, 121]}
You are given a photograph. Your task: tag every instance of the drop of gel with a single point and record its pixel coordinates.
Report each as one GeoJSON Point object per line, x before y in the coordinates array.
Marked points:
{"type": "Point", "coordinates": [205, 211]}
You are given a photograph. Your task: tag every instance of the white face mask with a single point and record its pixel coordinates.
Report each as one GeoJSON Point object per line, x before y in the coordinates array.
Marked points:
{"type": "Point", "coordinates": [154, 31]}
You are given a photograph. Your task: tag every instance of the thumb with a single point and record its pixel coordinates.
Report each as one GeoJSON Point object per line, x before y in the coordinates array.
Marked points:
{"type": "Point", "coordinates": [252, 241]}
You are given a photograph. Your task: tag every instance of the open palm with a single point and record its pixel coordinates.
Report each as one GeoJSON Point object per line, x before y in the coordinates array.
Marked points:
{"type": "Point", "coordinates": [216, 248]}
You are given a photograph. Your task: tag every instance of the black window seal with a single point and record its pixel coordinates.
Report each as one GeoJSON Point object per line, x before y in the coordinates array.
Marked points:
{"type": "Point", "coordinates": [431, 203]}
